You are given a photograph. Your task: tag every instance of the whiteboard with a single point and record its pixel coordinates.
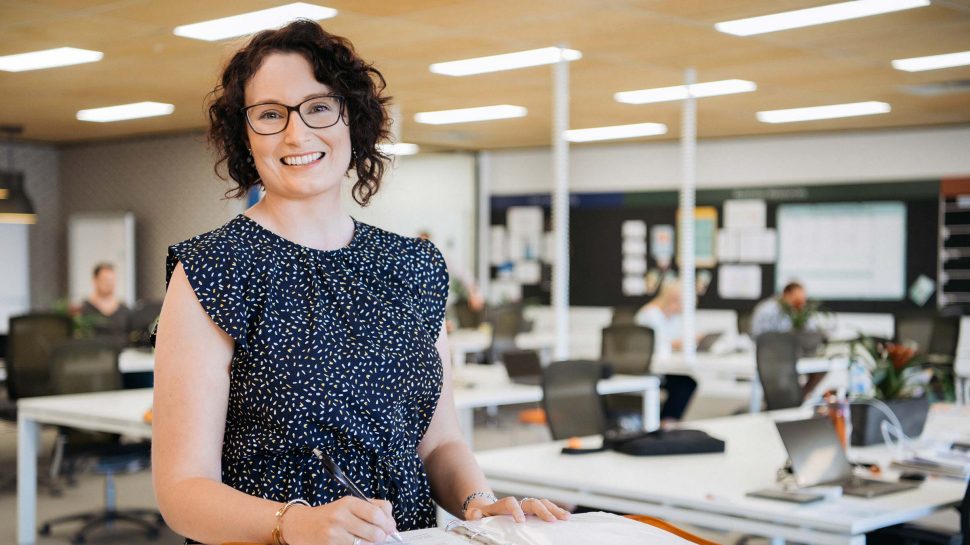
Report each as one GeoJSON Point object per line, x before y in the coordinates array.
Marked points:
{"type": "Point", "coordinates": [843, 250]}
{"type": "Point", "coordinates": [101, 237]}
{"type": "Point", "coordinates": [14, 274]}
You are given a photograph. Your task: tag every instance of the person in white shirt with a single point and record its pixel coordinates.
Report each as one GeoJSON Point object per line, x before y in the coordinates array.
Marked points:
{"type": "Point", "coordinates": [662, 315]}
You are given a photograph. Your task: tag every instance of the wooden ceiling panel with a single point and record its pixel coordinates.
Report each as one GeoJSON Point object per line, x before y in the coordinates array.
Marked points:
{"type": "Point", "coordinates": [626, 45]}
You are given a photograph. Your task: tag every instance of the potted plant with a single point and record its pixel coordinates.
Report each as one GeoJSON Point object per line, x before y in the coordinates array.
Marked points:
{"type": "Point", "coordinates": [896, 375]}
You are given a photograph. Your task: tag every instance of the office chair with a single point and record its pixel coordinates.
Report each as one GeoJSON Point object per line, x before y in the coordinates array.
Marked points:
{"type": "Point", "coordinates": [913, 533]}
{"type": "Point", "coordinates": [776, 356]}
{"type": "Point", "coordinates": [745, 318]}
{"type": "Point", "coordinates": [944, 339]}
{"type": "Point", "coordinates": [627, 348]}
{"type": "Point", "coordinates": [91, 365]}
{"type": "Point", "coordinates": [466, 317]}
{"type": "Point", "coordinates": [569, 397]}
{"type": "Point", "coordinates": [624, 316]}
{"type": "Point", "coordinates": [30, 340]}
{"type": "Point", "coordinates": [506, 321]}
{"type": "Point", "coordinates": [141, 321]}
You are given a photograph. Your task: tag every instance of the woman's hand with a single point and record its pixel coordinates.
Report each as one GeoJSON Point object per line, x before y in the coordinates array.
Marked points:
{"type": "Point", "coordinates": [347, 521]}
{"type": "Point", "coordinates": [544, 509]}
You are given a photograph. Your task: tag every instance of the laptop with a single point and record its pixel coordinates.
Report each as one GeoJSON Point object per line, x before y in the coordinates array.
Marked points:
{"type": "Point", "coordinates": [523, 366]}
{"type": "Point", "coordinates": [707, 341]}
{"type": "Point", "coordinates": [818, 458]}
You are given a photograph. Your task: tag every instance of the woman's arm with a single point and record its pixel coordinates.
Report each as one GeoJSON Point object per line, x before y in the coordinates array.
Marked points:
{"type": "Point", "coordinates": [451, 466]}
{"type": "Point", "coordinates": [191, 395]}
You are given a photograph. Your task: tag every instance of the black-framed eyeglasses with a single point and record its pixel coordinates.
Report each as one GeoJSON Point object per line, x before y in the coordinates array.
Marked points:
{"type": "Point", "coordinates": [317, 112]}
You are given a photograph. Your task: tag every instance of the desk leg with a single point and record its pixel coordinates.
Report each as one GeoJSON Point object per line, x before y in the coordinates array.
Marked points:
{"type": "Point", "coordinates": [466, 420]}
{"type": "Point", "coordinates": [756, 395]}
{"type": "Point", "coordinates": [28, 437]}
{"type": "Point", "coordinates": [651, 408]}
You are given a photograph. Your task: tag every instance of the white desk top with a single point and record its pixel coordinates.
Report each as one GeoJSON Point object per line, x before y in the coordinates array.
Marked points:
{"type": "Point", "coordinates": [709, 483]}
{"type": "Point", "coordinates": [122, 411]}
{"type": "Point", "coordinates": [734, 364]}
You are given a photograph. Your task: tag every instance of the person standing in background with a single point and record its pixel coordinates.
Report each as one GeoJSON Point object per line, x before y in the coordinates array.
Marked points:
{"type": "Point", "coordinates": [662, 315]}
{"type": "Point", "coordinates": [111, 317]}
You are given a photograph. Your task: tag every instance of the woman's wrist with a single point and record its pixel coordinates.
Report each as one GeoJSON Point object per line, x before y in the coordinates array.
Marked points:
{"type": "Point", "coordinates": [288, 524]}
{"type": "Point", "coordinates": [476, 499]}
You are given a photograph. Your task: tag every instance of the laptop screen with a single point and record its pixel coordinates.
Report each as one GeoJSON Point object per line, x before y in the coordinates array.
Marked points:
{"type": "Point", "coordinates": [815, 452]}
{"type": "Point", "coordinates": [522, 363]}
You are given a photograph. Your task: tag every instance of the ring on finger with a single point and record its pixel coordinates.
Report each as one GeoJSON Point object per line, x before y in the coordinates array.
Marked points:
{"type": "Point", "coordinates": [523, 500]}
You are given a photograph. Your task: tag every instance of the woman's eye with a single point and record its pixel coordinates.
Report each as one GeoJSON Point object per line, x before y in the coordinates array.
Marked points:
{"type": "Point", "coordinates": [270, 114]}
{"type": "Point", "coordinates": [316, 108]}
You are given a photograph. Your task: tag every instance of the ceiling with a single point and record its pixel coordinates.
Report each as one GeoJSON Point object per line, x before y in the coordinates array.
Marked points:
{"type": "Point", "coordinates": [626, 45]}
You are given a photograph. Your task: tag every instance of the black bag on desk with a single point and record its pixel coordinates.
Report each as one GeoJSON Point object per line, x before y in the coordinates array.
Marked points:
{"type": "Point", "coordinates": [663, 443]}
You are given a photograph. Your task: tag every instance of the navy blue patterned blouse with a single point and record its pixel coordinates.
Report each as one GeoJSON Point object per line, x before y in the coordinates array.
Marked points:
{"type": "Point", "coordinates": [333, 350]}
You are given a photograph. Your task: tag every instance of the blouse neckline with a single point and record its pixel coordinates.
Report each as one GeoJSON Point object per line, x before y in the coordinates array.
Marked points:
{"type": "Point", "coordinates": [354, 239]}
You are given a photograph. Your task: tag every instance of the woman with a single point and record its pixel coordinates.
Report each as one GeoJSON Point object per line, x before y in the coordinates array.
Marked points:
{"type": "Point", "coordinates": [662, 315]}
{"type": "Point", "coordinates": [294, 327]}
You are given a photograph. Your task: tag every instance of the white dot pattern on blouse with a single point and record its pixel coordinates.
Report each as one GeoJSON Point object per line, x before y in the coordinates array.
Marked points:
{"type": "Point", "coordinates": [333, 350]}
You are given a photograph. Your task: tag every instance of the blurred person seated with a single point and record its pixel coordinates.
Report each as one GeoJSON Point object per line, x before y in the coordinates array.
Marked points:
{"type": "Point", "coordinates": [791, 311]}
{"type": "Point", "coordinates": [111, 317]}
{"type": "Point", "coordinates": [662, 315]}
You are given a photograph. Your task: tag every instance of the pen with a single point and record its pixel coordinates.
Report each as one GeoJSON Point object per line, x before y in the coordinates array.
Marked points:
{"type": "Point", "coordinates": [338, 474]}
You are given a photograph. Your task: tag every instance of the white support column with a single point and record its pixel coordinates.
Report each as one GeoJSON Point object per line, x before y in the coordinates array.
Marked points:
{"type": "Point", "coordinates": [688, 157]}
{"type": "Point", "coordinates": [560, 207]}
{"type": "Point", "coordinates": [483, 166]}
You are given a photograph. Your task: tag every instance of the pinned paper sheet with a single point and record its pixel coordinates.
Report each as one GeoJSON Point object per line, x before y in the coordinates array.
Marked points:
{"type": "Point", "coordinates": [743, 214]}
{"type": "Point", "coordinates": [739, 281]}
{"type": "Point", "coordinates": [634, 229]}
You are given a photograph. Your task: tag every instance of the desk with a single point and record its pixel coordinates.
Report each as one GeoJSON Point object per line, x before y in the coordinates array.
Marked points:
{"type": "Point", "coordinates": [131, 360]}
{"type": "Point", "coordinates": [478, 386]}
{"type": "Point", "coordinates": [739, 366]}
{"type": "Point", "coordinates": [463, 342]}
{"type": "Point", "coordinates": [709, 489]}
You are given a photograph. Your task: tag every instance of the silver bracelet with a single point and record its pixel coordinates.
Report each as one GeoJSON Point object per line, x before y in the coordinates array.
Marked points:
{"type": "Point", "coordinates": [474, 496]}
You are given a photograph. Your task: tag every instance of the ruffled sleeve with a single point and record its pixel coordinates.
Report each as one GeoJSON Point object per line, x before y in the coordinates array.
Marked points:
{"type": "Point", "coordinates": [218, 274]}
{"type": "Point", "coordinates": [430, 283]}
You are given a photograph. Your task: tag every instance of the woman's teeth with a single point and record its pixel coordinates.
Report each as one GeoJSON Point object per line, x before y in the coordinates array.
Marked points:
{"type": "Point", "coordinates": [296, 160]}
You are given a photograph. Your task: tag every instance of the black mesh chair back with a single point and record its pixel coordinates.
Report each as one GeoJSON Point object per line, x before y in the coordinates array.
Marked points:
{"type": "Point", "coordinates": [944, 339]}
{"type": "Point", "coordinates": [914, 327]}
{"type": "Point", "coordinates": [506, 322]}
{"type": "Point", "coordinates": [467, 318]}
{"type": "Point", "coordinates": [745, 318]}
{"type": "Point", "coordinates": [85, 365]}
{"type": "Point", "coordinates": [624, 316]}
{"type": "Point", "coordinates": [142, 320]}
{"type": "Point", "coordinates": [30, 341]}
{"type": "Point", "coordinates": [569, 397]}
{"type": "Point", "coordinates": [777, 356]}
{"type": "Point", "coordinates": [627, 348]}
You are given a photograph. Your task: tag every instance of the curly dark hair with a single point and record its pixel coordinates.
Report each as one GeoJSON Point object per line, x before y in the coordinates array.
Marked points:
{"type": "Point", "coordinates": [336, 65]}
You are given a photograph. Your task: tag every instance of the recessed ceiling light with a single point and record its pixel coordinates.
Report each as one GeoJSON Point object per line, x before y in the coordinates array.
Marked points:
{"type": "Point", "coordinates": [48, 58]}
{"type": "Point", "coordinates": [467, 115]}
{"type": "Point", "coordinates": [254, 21]}
{"type": "Point", "coordinates": [399, 148]}
{"type": "Point", "coordinates": [679, 92]}
{"type": "Point", "coordinates": [932, 62]}
{"type": "Point", "coordinates": [823, 112]}
{"type": "Point", "coordinates": [615, 132]}
{"type": "Point", "coordinates": [815, 16]}
{"type": "Point", "coordinates": [507, 61]}
{"type": "Point", "coordinates": [125, 111]}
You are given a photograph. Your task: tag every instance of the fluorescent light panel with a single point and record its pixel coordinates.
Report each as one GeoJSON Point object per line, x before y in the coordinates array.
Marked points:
{"type": "Point", "coordinates": [48, 58]}
{"type": "Point", "coordinates": [615, 132]}
{"type": "Point", "coordinates": [125, 111]}
{"type": "Point", "coordinates": [507, 61]}
{"type": "Point", "coordinates": [932, 62]}
{"type": "Point", "coordinates": [399, 148]}
{"type": "Point", "coordinates": [468, 115]}
{"type": "Point", "coordinates": [815, 16]}
{"type": "Point", "coordinates": [254, 21]}
{"type": "Point", "coordinates": [823, 112]}
{"type": "Point", "coordinates": [679, 92]}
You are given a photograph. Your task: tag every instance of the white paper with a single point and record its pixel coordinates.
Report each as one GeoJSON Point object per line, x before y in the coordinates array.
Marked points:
{"type": "Point", "coordinates": [728, 246]}
{"type": "Point", "coordinates": [662, 243]}
{"type": "Point", "coordinates": [634, 228]}
{"type": "Point", "coordinates": [634, 285]}
{"type": "Point", "coordinates": [524, 219]}
{"type": "Point", "coordinates": [739, 281]}
{"type": "Point", "coordinates": [633, 264]}
{"type": "Point", "coordinates": [757, 246]}
{"type": "Point", "coordinates": [528, 272]}
{"type": "Point", "coordinates": [498, 246]}
{"type": "Point", "coordinates": [634, 246]}
{"type": "Point", "coordinates": [743, 214]}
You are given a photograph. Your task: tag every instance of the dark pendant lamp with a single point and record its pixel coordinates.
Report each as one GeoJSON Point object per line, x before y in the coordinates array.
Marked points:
{"type": "Point", "coordinates": [15, 205]}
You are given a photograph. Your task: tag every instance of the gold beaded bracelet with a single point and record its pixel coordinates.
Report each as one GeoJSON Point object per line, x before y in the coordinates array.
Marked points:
{"type": "Point", "coordinates": [277, 532]}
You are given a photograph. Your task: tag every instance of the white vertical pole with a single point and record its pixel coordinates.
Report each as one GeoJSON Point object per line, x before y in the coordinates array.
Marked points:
{"type": "Point", "coordinates": [560, 207]}
{"type": "Point", "coordinates": [484, 168]}
{"type": "Point", "coordinates": [688, 158]}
